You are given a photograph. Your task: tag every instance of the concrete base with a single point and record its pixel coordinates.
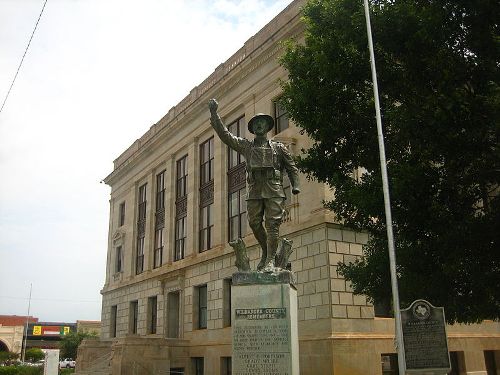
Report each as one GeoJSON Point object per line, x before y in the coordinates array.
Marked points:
{"type": "Point", "coordinates": [265, 333]}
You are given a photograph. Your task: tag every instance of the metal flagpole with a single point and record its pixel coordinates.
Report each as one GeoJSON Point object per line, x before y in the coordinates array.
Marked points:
{"type": "Point", "coordinates": [387, 202]}
{"type": "Point", "coordinates": [26, 329]}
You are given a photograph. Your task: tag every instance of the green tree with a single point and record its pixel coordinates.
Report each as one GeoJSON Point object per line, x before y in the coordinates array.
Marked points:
{"type": "Point", "coordinates": [438, 69]}
{"type": "Point", "coordinates": [8, 357]}
{"type": "Point", "coordinates": [21, 370]}
{"type": "Point", "coordinates": [34, 354]}
{"type": "Point", "coordinates": [70, 342]}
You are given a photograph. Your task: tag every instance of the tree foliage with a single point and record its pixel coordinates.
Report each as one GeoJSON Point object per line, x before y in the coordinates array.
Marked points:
{"type": "Point", "coordinates": [70, 342]}
{"type": "Point", "coordinates": [8, 357]}
{"type": "Point", "coordinates": [21, 370]}
{"type": "Point", "coordinates": [34, 354]}
{"type": "Point", "coordinates": [438, 70]}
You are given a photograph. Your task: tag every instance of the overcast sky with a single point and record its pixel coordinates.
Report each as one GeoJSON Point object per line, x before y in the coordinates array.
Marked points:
{"type": "Point", "coordinates": [97, 75]}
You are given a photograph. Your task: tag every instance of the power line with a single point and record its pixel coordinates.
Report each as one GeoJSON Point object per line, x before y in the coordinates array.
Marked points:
{"type": "Point", "coordinates": [51, 299]}
{"type": "Point", "coordinates": [25, 51]}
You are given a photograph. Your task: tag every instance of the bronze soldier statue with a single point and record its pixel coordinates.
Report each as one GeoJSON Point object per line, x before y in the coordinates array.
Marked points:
{"type": "Point", "coordinates": [266, 161]}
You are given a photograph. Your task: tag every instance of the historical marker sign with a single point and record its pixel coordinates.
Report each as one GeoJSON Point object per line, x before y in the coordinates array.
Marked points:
{"type": "Point", "coordinates": [424, 337]}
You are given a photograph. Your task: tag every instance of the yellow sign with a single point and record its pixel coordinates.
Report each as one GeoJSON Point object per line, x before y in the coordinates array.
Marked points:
{"type": "Point", "coordinates": [37, 330]}
{"type": "Point", "coordinates": [66, 330]}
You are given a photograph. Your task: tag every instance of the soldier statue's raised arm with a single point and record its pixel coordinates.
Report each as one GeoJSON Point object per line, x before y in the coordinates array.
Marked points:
{"type": "Point", "coordinates": [266, 161]}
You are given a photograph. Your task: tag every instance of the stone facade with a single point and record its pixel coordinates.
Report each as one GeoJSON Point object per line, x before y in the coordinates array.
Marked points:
{"type": "Point", "coordinates": [12, 332]}
{"type": "Point", "coordinates": [11, 338]}
{"type": "Point", "coordinates": [175, 315]}
{"type": "Point", "coordinates": [89, 326]}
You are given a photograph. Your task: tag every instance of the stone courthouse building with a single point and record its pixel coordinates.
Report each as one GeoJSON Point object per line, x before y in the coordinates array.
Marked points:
{"type": "Point", "coordinates": [178, 198]}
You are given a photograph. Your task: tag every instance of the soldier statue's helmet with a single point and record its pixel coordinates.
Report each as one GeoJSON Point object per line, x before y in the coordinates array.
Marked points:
{"type": "Point", "coordinates": [269, 120]}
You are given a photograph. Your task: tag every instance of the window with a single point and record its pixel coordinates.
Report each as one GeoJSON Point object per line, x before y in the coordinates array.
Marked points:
{"type": "Point", "coordinates": [173, 315]}
{"type": "Point", "coordinates": [207, 161]}
{"type": "Point", "coordinates": [118, 259]}
{"type": "Point", "coordinates": [160, 191]}
{"type": "Point", "coordinates": [239, 130]}
{"type": "Point", "coordinates": [121, 217]}
{"type": "Point", "coordinates": [177, 371]}
{"type": "Point", "coordinates": [139, 262]}
{"type": "Point", "coordinates": [141, 229]}
{"type": "Point", "coordinates": [112, 324]}
{"type": "Point", "coordinates": [206, 194]}
{"type": "Point", "coordinates": [225, 366]}
{"type": "Point", "coordinates": [158, 252]}
{"type": "Point", "coordinates": [236, 186]}
{"type": "Point", "coordinates": [389, 364]}
{"type": "Point", "coordinates": [280, 117]}
{"type": "Point", "coordinates": [226, 302]}
{"type": "Point", "coordinates": [159, 219]}
{"type": "Point", "coordinates": [181, 209]}
{"type": "Point", "coordinates": [133, 316]}
{"type": "Point", "coordinates": [182, 172]}
{"type": "Point", "coordinates": [206, 227]}
{"type": "Point", "coordinates": [201, 306]}
{"type": "Point", "coordinates": [180, 237]}
{"type": "Point", "coordinates": [152, 314]}
{"type": "Point", "coordinates": [198, 365]}
{"type": "Point", "coordinates": [142, 202]}
{"type": "Point", "coordinates": [237, 214]}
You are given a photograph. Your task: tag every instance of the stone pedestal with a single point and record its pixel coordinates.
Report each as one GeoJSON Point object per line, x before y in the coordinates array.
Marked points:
{"type": "Point", "coordinates": [264, 321]}
{"type": "Point", "coordinates": [51, 366]}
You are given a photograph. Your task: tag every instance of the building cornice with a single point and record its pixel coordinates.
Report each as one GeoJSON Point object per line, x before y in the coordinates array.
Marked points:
{"type": "Point", "coordinates": [256, 51]}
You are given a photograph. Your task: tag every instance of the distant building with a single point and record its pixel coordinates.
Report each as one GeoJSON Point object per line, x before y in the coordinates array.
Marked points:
{"type": "Point", "coordinates": [46, 335]}
{"type": "Point", "coordinates": [178, 198]}
{"type": "Point", "coordinates": [89, 326]}
{"type": "Point", "coordinates": [43, 335]}
{"type": "Point", "coordinates": [12, 331]}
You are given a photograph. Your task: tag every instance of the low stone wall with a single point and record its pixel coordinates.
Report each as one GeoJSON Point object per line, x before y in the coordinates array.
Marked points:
{"type": "Point", "coordinates": [90, 351]}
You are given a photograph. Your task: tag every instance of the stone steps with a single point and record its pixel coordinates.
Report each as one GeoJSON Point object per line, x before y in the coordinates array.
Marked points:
{"type": "Point", "coordinates": [101, 366]}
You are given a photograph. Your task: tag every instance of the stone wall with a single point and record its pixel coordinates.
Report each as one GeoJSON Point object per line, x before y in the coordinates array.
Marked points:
{"type": "Point", "coordinates": [12, 337]}
{"type": "Point", "coordinates": [338, 331]}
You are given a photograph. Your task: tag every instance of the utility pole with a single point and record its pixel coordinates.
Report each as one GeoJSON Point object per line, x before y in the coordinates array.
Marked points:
{"type": "Point", "coordinates": [387, 202]}
{"type": "Point", "coordinates": [26, 328]}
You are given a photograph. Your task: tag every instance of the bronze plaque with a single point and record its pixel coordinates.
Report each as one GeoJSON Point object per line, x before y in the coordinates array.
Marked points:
{"type": "Point", "coordinates": [424, 337]}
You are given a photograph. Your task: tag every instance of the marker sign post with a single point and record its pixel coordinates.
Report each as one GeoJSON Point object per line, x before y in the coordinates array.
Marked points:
{"type": "Point", "coordinates": [424, 337]}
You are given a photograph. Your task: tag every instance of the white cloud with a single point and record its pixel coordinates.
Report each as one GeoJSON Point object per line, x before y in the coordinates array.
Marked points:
{"type": "Point", "coordinates": [98, 74]}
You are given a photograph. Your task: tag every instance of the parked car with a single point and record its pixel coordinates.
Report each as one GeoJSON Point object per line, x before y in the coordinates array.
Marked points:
{"type": "Point", "coordinates": [39, 363]}
{"type": "Point", "coordinates": [67, 363]}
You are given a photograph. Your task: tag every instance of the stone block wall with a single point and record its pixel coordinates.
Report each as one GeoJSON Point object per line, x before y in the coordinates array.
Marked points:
{"type": "Point", "coordinates": [122, 298]}
{"type": "Point", "coordinates": [322, 292]}
{"type": "Point", "coordinates": [310, 264]}
{"type": "Point", "coordinates": [346, 246]}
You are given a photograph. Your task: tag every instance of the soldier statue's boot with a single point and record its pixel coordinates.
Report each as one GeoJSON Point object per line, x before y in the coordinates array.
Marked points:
{"type": "Point", "coordinates": [261, 236]}
{"type": "Point", "coordinates": [262, 262]}
{"type": "Point", "coordinates": [272, 247]}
